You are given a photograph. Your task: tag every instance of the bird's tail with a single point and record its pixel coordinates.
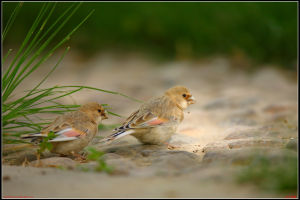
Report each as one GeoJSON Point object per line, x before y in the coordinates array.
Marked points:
{"type": "Point", "coordinates": [34, 137]}
{"type": "Point", "coordinates": [116, 135]}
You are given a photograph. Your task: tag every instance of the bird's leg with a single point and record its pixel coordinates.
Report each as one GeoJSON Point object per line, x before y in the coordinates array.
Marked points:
{"type": "Point", "coordinates": [25, 162]}
{"type": "Point", "coordinates": [84, 154]}
{"type": "Point", "coordinates": [38, 158]}
{"type": "Point", "coordinates": [78, 157]}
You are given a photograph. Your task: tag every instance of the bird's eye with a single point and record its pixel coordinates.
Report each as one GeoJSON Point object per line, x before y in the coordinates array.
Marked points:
{"type": "Point", "coordinates": [184, 95]}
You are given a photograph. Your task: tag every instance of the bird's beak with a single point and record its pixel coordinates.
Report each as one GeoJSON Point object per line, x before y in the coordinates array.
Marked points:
{"type": "Point", "coordinates": [104, 116]}
{"type": "Point", "coordinates": [191, 100]}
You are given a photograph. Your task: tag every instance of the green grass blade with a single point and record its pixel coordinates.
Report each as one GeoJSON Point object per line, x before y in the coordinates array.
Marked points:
{"type": "Point", "coordinates": [111, 113]}
{"type": "Point", "coordinates": [58, 97]}
{"type": "Point", "coordinates": [107, 91]}
{"type": "Point", "coordinates": [19, 79]}
{"type": "Point", "coordinates": [56, 65]}
{"type": "Point", "coordinates": [52, 50]}
{"type": "Point", "coordinates": [33, 42]}
{"type": "Point", "coordinates": [7, 79]}
{"type": "Point", "coordinates": [5, 57]}
{"type": "Point", "coordinates": [11, 19]}
{"type": "Point", "coordinates": [15, 111]}
{"type": "Point", "coordinates": [53, 25]}
{"type": "Point", "coordinates": [47, 31]}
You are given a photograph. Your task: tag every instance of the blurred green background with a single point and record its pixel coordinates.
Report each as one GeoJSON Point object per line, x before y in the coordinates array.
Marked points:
{"type": "Point", "coordinates": [265, 33]}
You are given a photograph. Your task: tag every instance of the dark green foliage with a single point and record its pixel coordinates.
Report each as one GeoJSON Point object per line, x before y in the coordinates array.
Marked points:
{"type": "Point", "coordinates": [263, 31]}
{"type": "Point", "coordinates": [272, 175]}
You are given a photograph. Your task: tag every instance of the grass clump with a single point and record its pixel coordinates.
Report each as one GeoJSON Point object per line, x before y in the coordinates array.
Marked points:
{"type": "Point", "coordinates": [21, 115]}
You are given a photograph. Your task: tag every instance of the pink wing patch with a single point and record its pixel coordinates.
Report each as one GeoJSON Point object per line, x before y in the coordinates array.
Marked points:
{"type": "Point", "coordinates": [72, 133]}
{"type": "Point", "coordinates": [67, 135]}
{"type": "Point", "coordinates": [157, 121]}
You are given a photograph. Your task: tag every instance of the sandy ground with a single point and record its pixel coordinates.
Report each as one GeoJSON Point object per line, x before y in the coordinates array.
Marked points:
{"type": "Point", "coordinates": [38, 183]}
{"type": "Point", "coordinates": [235, 110]}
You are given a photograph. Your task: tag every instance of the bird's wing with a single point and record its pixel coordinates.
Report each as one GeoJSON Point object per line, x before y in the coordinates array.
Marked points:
{"type": "Point", "coordinates": [62, 135]}
{"type": "Point", "coordinates": [68, 134]}
{"type": "Point", "coordinates": [147, 119]}
{"type": "Point", "coordinates": [149, 115]}
{"type": "Point", "coordinates": [65, 128]}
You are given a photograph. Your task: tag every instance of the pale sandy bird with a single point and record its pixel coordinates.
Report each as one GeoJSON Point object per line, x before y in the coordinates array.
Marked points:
{"type": "Point", "coordinates": [73, 130]}
{"type": "Point", "coordinates": [156, 120]}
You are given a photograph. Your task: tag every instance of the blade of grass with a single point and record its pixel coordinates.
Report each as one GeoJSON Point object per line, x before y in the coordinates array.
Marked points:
{"type": "Point", "coordinates": [25, 104]}
{"type": "Point", "coordinates": [11, 19]}
{"type": "Point", "coordinates": [115, 114]}
{"type": "Point", "coordinates": [67, 94]}
{"type": "Point", "coordinates": [107, 91]}
{"type": "Point", "coordinates": [58, 62]}
{"type": "Point", "coordinates": [52, 50]}
{"type": "Point", "coordinates": [23, 124]}
{"type": "Point", "coordinates": [11, 105]}
{"type": "Point", "coordinates": [7, 54]}
{"type": "Point", "coordinates": [19, 79]}
{"type": "Point", "coordinates": [52, 26]}
{"type": "Point", "coordinates": [8, 77]}
{"type": "Point", "coordinates": [38, 126]}
{"type": "Point", "coordinates": [33, 42]}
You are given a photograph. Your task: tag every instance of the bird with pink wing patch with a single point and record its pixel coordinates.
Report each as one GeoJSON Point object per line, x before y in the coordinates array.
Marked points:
{"type": "Point", "coordinates": [156, 120]}
{"type": "Point", "coordinates": [73, 130]}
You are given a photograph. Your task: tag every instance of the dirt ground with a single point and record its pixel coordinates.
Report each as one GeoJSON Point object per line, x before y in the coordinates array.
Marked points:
{"type": "Point", "coordinates": [237, 113]}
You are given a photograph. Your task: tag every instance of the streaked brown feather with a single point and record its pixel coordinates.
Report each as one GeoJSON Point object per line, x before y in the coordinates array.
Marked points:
{"type": "Point", "coordinates": [162, 108]}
